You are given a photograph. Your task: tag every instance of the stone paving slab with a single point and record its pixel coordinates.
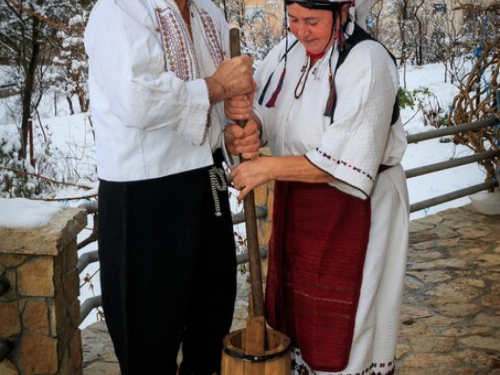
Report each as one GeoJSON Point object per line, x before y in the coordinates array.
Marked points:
{"type": "Point", "coordinates": [451, 310]}
{"type": "Point", "coordinates": [98, 353]}
{"type": "Point", "coordinates": [450, 322]}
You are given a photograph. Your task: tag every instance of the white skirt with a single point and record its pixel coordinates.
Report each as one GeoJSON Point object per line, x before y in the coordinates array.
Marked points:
{"type": "Point", "coordinates": [377, 319]}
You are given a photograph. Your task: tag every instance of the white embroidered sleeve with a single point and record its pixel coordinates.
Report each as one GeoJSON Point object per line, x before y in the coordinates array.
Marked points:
{"type": "Point", "coordinates": [128, 64]}
{"type": "Point", "coordinates": [353, 146]}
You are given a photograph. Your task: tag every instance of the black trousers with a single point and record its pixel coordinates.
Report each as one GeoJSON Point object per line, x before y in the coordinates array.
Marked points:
{"type": "Point", "coordinates": [168, 273]}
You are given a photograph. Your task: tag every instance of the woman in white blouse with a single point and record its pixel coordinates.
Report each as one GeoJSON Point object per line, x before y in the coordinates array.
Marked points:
{"type": "Point", "coordinates": [326, 104]}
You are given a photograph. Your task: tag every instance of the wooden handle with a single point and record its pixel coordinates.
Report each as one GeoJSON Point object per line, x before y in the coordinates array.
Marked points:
{"type": "Point", "coordinates": [234, 42]}
{"type": "Point", "coordinates": [235, 47]}
{"type": "Point", "coordinates": [257, 295]}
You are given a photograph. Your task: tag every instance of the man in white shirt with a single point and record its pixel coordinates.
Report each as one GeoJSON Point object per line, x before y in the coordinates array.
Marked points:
{"type": "Point", "coordinates": [158, 74]}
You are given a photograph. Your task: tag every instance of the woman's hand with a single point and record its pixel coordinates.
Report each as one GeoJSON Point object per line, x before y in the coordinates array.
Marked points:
{"type": "Point", "coordinates": [251, 174]}
{"type": "Point", "coordinates": [243, 141]}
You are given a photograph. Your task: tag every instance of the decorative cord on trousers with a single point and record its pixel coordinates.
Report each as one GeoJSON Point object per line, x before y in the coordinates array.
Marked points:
{"type": "Point", "coordinates": [217, 183]}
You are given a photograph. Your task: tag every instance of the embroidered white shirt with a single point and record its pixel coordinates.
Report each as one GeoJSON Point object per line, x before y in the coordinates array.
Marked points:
{"type": "Point", "coordinates": [360, 139]}
{"type": "Point", "coordinates": [149, 102]}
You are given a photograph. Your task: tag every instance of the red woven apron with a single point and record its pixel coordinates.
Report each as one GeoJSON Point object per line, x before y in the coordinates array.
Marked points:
{"type": "Point", "coordinates": [317, 251]}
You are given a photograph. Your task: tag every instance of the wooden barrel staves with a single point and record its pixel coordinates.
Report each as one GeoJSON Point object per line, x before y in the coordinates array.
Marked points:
{"type": "Point", "coordinates": [274, 361]}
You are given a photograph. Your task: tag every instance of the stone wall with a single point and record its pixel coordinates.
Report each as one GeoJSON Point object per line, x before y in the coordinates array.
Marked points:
{"type": "Point", "coordinates": [40, 313]}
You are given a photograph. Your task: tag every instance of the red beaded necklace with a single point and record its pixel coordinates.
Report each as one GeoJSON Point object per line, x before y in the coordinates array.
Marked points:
{"type": "Point", "coordinates": [316, 56]}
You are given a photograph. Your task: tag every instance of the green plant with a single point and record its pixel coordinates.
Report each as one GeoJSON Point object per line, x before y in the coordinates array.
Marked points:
{"type": "Point", "coordinates": [413, 98]}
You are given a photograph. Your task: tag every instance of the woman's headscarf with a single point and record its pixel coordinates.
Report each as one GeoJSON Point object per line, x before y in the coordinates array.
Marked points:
{"type": "Point", "coordinates": [358, 13]}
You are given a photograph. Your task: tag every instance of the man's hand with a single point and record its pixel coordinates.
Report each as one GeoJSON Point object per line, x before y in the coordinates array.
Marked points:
{"type": "Point", "coordinates": [233, 77]}
{"type": "Point", "coordinates": [243, 141]}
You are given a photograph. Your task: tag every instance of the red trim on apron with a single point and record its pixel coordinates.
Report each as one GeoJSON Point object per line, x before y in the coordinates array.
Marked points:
{"type": "Point", "coordinates": [317, 253]}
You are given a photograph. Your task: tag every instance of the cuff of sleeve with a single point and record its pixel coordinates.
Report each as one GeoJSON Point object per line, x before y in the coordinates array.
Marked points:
{"type": "Point", "coordinates": [347, 178]}
{"type": "Point", "coordinates": [196, 119]}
